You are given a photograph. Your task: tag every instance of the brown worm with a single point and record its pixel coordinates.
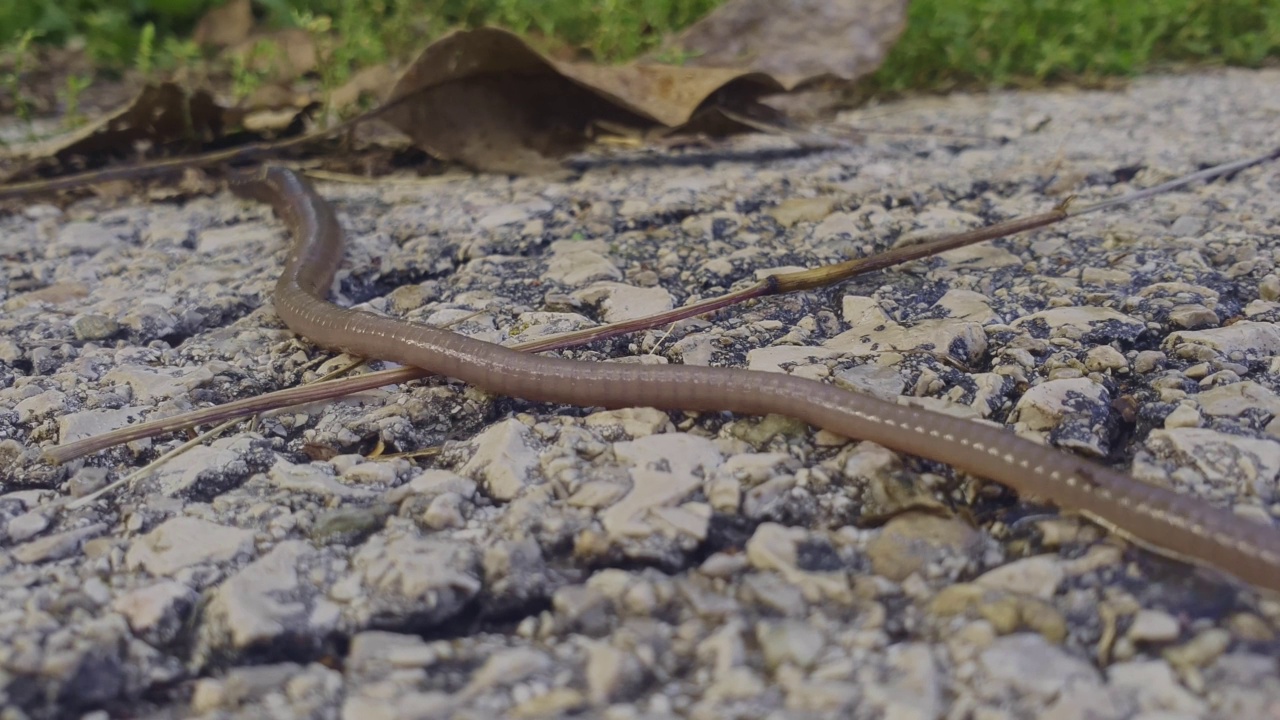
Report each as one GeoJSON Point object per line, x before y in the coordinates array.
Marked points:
{"type": "Point", "coordinates": [1167, 520]}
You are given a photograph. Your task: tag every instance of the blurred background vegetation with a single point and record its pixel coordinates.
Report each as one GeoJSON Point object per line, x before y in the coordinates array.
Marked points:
{"type": "Point", "coordinates": [948, 43]}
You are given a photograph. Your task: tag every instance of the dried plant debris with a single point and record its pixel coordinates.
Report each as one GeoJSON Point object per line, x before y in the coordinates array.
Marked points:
{"type": "Point", "coordinates": [486, 99]}
{"type": "Point", "coordinates": [160, 115]}
{"type": "Point", "coordinates": [162, 120]}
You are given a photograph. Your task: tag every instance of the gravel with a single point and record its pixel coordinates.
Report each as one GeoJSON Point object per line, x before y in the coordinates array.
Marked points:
{"type": "Point", "coordinates": [550, 561]}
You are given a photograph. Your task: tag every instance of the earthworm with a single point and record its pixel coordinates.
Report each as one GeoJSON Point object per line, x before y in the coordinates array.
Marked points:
{"type": "Point", "coordinates": [1170, 522]}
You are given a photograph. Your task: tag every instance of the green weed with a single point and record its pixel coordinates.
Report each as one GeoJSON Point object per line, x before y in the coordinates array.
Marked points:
{"type": "Point", "coordinates": [70, 97]}
{"type": "Point", "coordinates": [1003, 42]}
{"type": "Point", "coordinates": [20, 51]}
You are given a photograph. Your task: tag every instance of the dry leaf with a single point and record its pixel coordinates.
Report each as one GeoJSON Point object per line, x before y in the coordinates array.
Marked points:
{"type": "Point", "coordinates": [373, 80]}
{"type": "Point", "coordinates": [487, 99]}
{"type": "Point", "coordinates": [160, 115]}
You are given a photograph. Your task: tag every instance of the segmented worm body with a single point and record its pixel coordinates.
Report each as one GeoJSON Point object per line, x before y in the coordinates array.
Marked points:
{"type": "Point", "coordinates": [1163, 518]}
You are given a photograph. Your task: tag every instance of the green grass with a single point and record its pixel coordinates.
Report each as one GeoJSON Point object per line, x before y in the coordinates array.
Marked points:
{"type": "Point", "coordinates": [948, 43]}
{"type": "Point", "coordinates": [1004, 42]}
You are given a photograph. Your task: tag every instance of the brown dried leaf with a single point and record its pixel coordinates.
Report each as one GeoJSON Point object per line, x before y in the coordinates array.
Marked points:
{"type": "Point", "coordinates": [372, 80]}
{"type": "Point", "coordinates": [796, 39]}
{"type": "Point", "coordinates": [161, 115]}
{"type": "Point", "coordinates": [486, 99]}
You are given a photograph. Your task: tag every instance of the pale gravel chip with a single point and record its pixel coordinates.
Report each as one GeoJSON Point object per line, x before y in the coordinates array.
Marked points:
{"type": "Point", "coordinates": [49, 402]}
{"type": "Point", "coordinates": [236, 239]}
{"type": "Point", "coordinates": [1028, 663]}
{"type": "Point", "coordinates": [964, 341]}
{"type": "Point", "coordinates": [1038, 576]}
{"type": "Point", "coordinates": [574, 263]}
{"type": "Point", "coordinates": [781, 358]}
{"type": "Point", "coordinates": [1236, 398]}
{"type": "Point", "coordinates": [503, 459]}
{"type": "Point", "coordinates": [1223, 460]}
{"type": "Point", "coordinates": [86, 423]}
{"type": "Point", "coordinates": [1072, 411]}
{"type": "Point", "coordinates": [56, 546]}
{"type": "Point", "coordinates": [664, 470]}
{"type": "Point", "coordinates": [408, 577]}
{"type": "Point", "coordinates": [1153, 626]}
{"type": "Point", "coordinates": [150, 385]}
{"type": "Point", "coordinates": [1241, 340]}
{"type": "Point", "coordinates": [156, 611]}
{"type": "Point", "coordinates": [1155, 686]}
{"type": "Point", "coordinates": [1081, 322]}
{"type": "Point", "coordinates": [620, 301]}
{"type": "Point", "coordinates": [312, 480]}
{"type": "Point", "coordinates": [185, 541]}
{"type": "Point", "coordinates": [86, 238]}
{"type": "Point", "coordinates": [262, 602]}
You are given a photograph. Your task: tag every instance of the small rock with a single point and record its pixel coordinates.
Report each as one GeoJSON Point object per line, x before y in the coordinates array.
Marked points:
{"type": "Point", "coordinates": [612, 674]}
{"type": "Point", "coordinates": [1155, 686]}
{"type": "Point", "coordinates": [1238, 341]}
{"type": "Point", "coordinates": [505, 460]}
{"type": "Point", "coordinates": [86, 238]}
{"type": "Point", "coordinates": [185, 541]}
{"type": "Point", "coordinates": [1153, 626]}
{"type": "Point", "coordinates": [794, 210]}
{"type": "Point", "coordinates": [1204, 648]}
{"type": "Point", "coordinates": [1183, 416]}
{"type": "Point", "coordinates": [1088, 323]}
{"type": "Point", "coordinates": [793, 642]}
{"type": "Point", "coordinates": [911, 541]}
{"type": "Point", "coordinates": [1104, 358]}
{"type": "Point", "coordinates": [348, 525]}
{"type": "Point", "coordinates": [263, 602]}
{"type": "Point", "coordinates": [1027, 663]}
{"type": "Point", "coordinates": [619, 302]}
{"type": "Point", "coordinates": [87, 480]}
{"type": "Point", "coordinates": [309, 478]}
{"type": "Point", "coordinates": [1037, 576]}
{"type": "Point", "coordinates": [29, 524]}
{"type": "Point", "coordinates": [507, 667]}
{"type": "Point", "coordinates": [1074, 409]}
{"type": "Point", "coordinates": [664, 470]}
{"type": "Point", "coordinates": [964, 340]}
{"type": "Point", "coordinates": [56, 547]}
{"type": "Point", "coordinates": [1234, 399]}
{"type": "Point", "coordinates": [1223, 459]}
{"type": "Point", "coordinates": [94, 327]}
{"type": "Point", "coordinates": [1193, 317]}
{"type": "Point", "coordinates": [575, 263]}
{"type": "Point", "coordinates": [156, 612]}
{"type": "Point", "coordinates": [427, 579]}
{"type": "Point", "coordinates": [1148, 361]}
{"type": "Point", "coordinates": [428, 484]}
{"type": "Point", "coordinates": [151, 385]}
{"type": "Point", "coordinates": [1187, 226]}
